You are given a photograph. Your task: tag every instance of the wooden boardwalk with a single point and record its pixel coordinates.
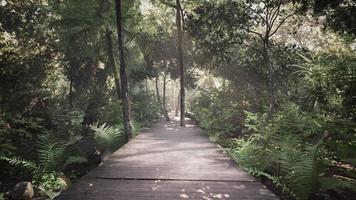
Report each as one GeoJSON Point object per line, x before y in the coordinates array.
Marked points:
{"type": "Point", "coordinates": [168, 162]}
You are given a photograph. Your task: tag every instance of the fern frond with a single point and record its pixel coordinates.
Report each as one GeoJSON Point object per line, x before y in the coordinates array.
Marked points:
{"type": "Point", "coordinates": [275, 180]}
{"type": "Point", "coordinates": [51, 156]}
{"type": "Point", "coordinates": [328, 183]}
{"type": "Point", "coordinates": [19, 162]}
{"type": "Point", "coordinates": [304, 175]}
{"type": "Point", "coordinates": [107, 136]}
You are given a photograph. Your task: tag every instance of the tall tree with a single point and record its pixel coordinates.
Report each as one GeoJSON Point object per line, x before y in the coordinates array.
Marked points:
{"type": "Point", "coordinates": [123, 75]}
{"type": "Point", "coordinates": [179, 25]}
{"type": "Point", "coordinates": [179, 18]}
{"type": "Point", "coordinates": [112, 62]}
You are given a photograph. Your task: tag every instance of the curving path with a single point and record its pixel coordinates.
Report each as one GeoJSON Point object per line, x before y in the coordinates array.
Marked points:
{"type": "Point", "coordinates": [168, 162]}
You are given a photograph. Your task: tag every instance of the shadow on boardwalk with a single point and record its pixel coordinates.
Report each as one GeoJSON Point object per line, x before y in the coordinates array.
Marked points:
{"type": "Point", "coordinates": [168, 162]}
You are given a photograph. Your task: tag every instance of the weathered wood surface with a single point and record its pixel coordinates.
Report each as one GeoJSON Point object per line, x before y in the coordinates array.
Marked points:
{"type": "Point", "coordinates": [168, 162]}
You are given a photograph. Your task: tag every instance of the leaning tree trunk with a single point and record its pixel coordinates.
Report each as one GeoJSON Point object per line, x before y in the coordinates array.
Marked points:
{"type": "Point", "coordinates": [180, 61]}
{"type": "Point", "coordinates": [123, 76]}
{"type": "Point", "coordinates": [112, 62]}
{"type": "Point", "coordinates": [164, 98]}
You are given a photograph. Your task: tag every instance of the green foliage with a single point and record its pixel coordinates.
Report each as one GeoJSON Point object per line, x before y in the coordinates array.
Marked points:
{"type": "Point", "coordinates": [249, 153]}
{"type": "Point", "coordinates": [56, 79]}
{"type": "Point", "coordinates": [53, 156]}
{"type": "Point", "coordinates": [6, 145]}
{"type": "Point", "coordinates": [275, 180]}
{"type": "Point", "coordinates": [111, 113]}
{"type": "Point", "coordinates": [107, 137]}
{"type": "Point", "coordinates": [46, 181]}
{"type": "Point", "coordinates": [217, 114]}
{"type": "Point", "coordinates": [19, 135]}
{"type": "Point", "coordinates": [145, 108]}
{"type": "Point", "coordinates": [66, 121]}
{"type": "Point", "coordinates": [294, 148]}
{"type": "Point", "coordinates": [49, 184]}
{"type": "Point", "coordinates": [18, 162]}
{"type": "Point", "coordinates": [340, 15]}
{"type": "Point", "coordinates": [26, 56]}
{"type": "Point", "coordinates": [329, 81]}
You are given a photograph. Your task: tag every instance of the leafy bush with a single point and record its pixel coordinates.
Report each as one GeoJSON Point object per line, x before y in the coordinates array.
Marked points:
{"type": "Point", "coordinates": [145, 108]}
{"type": "Point", "coordinates": [111, 113]}
{"type": "Point", "coordinates": [53, 157]}
{"type": "Point", "coordinates": [46, 181]}
{"type": "Point", "coordinates": [217, 113]}
{"type": "Point", "coordinates": [19, 135]}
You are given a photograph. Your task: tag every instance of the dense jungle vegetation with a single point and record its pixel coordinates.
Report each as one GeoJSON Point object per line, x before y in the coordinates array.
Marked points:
{"type": "Point", "coordinates": [271, 81]}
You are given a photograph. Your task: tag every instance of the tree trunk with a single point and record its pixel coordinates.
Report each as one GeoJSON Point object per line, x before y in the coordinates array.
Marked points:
{"type": "Point", "coordinates": [271, 81]}
{"type": "Point", "coordinates": [157, 94]}
{"type": "Point", "coordinates": [71, 90]}
{"type": "Point", "coordinates": [123, 76]}
{"type": "Point", "coordinates": [177, 107]}
{"type": "Point", "coordinates": [164, 98]}
{"type": "Point", "coordinates": [112, 62]}
{"type": "Point", "coordinates": [172, 96]}
{"type": "Point", "coordinates": [180, 61]}
{"type": "Point", "coordinates": [146, 87]}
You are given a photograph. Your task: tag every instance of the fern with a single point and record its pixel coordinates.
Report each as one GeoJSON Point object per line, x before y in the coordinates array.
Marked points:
{"type": "Point", "coordinates": [284, 155]}
{"type": "Point", "coordinates": [56, 155]}
{"type": "Point", "coordinates": [249, 153]}
{"type": "Point", "coordinates": [335, 182]}
{"type": "Point", "coordinates": [275, 180]}
{"type": "Point", "coordinates": [107, 137]}
{"type": "Point", "coordinates": [21, 163]}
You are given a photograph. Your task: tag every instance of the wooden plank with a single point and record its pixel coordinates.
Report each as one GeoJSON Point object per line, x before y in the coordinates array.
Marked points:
{"type": "Point", "coordinates": [169, 162]}
{"type": "Point", "coordinates": [136, 189]}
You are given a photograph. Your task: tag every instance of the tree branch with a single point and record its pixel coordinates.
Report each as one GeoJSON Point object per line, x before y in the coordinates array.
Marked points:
{"type": "Point", "coordinates": [254, 32]}
{"type": "Point", "coordinates": [255, 49]}
{"type": "Point", "coordinates": [130, 40]}
{"type": "Point", "coordinates": [169, 4]}
{"type": "Point", "coordinates": [258, 14]}
{"type": "Point", "coordinates": [275, 15]}
{"type": "Point", "coordinates": [280, 24]}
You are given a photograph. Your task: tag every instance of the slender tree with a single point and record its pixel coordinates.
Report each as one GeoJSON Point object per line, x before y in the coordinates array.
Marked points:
{"type": "Point", "coordinates": [180, 61]}
{"type": "Point", "coordinates": [165, 82]}
{"type": "Point", "coordinates": [112, 62]}
{"type": "Point", "coordinates": [123, 75]}
{"type": "Point", "coordinates": [179, 25]}
{"type": "Point", "coordinates": [158, 95]}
